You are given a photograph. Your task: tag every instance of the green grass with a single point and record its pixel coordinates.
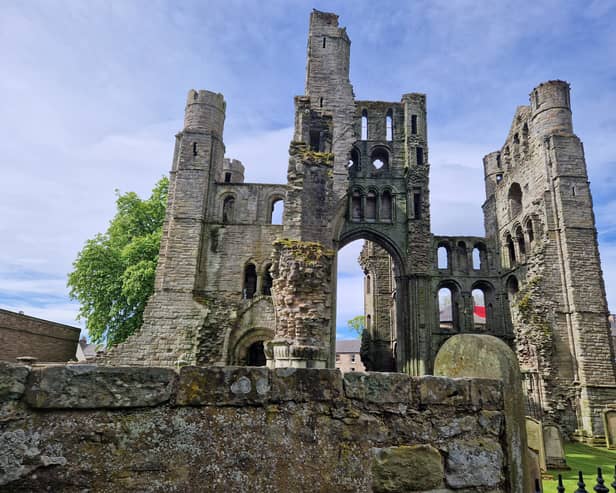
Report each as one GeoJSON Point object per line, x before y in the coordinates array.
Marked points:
{"type": "Point", "coordinates": [583, 458]}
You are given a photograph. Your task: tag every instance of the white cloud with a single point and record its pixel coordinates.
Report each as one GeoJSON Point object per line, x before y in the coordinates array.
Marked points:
{"type": "Point", "coordinates": [265, 155]}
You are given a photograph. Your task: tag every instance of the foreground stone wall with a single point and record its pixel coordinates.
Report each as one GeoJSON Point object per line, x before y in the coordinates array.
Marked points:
{"type": "Point", "coordinates": [236, 429]}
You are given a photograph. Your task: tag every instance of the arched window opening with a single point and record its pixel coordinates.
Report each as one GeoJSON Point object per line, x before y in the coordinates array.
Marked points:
{"type": "Point", "coordinates": [371, 206]}
{"type": "Point", "coordinates": [195, 149]}
{"type": "Point", "coordinates": [447, 308]}
{"type": "Point", "coordinates": [256, 354]}
{"type": "Point", "coordinates": [266, 289]}
{"type": "Point", "coordinates": [354, 159]}
{"type": "Point", "coordinates": [250, 281]}
{"type": "Point", "coordinates": [315, 140]}
{"type": "Point", "coordinates": [414, 124]}
{"type": "Point", "coordinates": [525, 134]}
{"type": "Point", "coordinates": [476, 259]}
{"type": "Point", "coordinates": [511, 251]}
{"type": "Point", "coordinates": [364, 125]}
{"type": "Point", "coordinates": [442, 254]}
{"type": "Point", "coordinates": [420, 156]}
{"type": "Point", "coordinates": [520, 239]}
{"type": "Point", "coordinates": [389, 126]}
{"type": "Point", "coordinates": [516, 139]}
{"type": "Point", "coordinates": [461, 256]}
{"type": "Point", "coordinates": [380, 158]}
{"type": "Point", "coordinates": [480, 257]}
{"type": "Point", "coordinates": [368, 282]}
{"type": "Point", "coordinates": [356, 206]}
{"type": "Point", "coordinates": [277, 211]}
{"type": "Point", "coordinates": [228, 207]}
{"type": "Point", "coordinates": [530, 233]}
{"type": "Point", "coordinates": [479, 309]}
{"type": "Point", "coordinates": [386, 209]}
{"type": "Point", "coordinates": [515, 200]}
{"type": "Point", "coordinates": [416, 203]}
{"type": "Point", "coordinates": [512, 286]}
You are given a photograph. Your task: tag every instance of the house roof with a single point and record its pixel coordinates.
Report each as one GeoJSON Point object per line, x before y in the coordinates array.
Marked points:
{"type": "Point", "coordinates": [347, 345]}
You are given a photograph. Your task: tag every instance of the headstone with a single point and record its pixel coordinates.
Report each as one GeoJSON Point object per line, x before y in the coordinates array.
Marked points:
{"type": "Point", "coordinates": [609, 424]}
{"type": "Point", "coordinates": [533, 465]}
{"type": "Point", "coordinates": [554, 447]}
{"type": "Point", "coordinates": [485, 356]}
{"type": "Point", "coordinates": [534, 436]}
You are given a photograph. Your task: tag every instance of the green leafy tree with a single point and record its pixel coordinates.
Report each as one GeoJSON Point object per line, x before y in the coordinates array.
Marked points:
{"type": "Point", "coordinates": [114, 273]}
{"type": "Point", "coordinates": [357, 324]}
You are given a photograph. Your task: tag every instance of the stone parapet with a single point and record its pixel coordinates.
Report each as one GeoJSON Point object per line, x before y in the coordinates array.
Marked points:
{"type": "Point", "coordinates": [247, 429]}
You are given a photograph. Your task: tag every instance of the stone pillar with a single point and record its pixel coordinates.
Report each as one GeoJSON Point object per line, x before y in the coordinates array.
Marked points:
{"type": "Point", "coordinates": [302, 279]}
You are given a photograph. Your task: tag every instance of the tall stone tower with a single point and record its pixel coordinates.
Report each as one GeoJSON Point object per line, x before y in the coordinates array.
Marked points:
{"type": "Point", "coordinates": [539, 208]}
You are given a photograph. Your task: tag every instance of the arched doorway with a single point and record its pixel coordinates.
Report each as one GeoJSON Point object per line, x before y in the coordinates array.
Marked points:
{"type": "Point", "coordinates": [378, 292]}
{"type": "Point", "coordinates": [256, 354]}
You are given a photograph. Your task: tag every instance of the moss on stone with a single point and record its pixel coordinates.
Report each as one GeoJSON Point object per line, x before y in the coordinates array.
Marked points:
{"type": "Point", "coordinates": [308, 252]}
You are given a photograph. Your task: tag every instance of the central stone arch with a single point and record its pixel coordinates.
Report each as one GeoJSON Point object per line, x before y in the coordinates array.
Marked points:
{"type": "Point", "coordinates": [380, 343]}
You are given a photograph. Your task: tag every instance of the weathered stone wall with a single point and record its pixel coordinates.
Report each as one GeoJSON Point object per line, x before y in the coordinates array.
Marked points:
{"type": "Point", "coordinates": [238, 429]}
{"type": "Point", "coordinates": [539, 209]}
{"type": "Point", "coordinates": [21, 335]}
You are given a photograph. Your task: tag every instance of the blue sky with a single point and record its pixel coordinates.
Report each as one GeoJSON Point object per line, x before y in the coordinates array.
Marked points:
{"type": "Point", "coordinates": [93, 92]}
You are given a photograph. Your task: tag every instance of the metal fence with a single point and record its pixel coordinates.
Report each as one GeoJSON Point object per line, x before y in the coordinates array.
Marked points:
{"type": "Point", "coordinates": [599, 487]}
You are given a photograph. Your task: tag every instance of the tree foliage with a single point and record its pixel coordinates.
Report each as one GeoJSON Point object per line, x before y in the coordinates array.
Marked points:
{"type": "Point", "coordinates": [357, 324]}
{"type": "Point", "coordinates": [113, 274]}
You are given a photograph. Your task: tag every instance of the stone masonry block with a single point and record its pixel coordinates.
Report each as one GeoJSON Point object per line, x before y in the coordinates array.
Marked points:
{"type": "Point", "coordinates": [486, 393]}
{"type": "Point", "coordinates": [88, 387]}
{"type": "Point", "coordinates": [303, 384]}
{"type": "Point", "coordinates": [406, 468]}
{"type": "Point", "coordinates": [223, 386]}
{"type": "Point", "coordinates": [12, 381]}
{"type": "Point", "coordinates": [474, 463]}
{"type": "Point", "coordinates": [377, 387]}
{"type": "Point", "coordinates": [444, 391]}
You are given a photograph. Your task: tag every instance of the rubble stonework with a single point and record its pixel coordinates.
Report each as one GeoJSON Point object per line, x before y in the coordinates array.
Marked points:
{"type": "Point", "coordinates": [302, 302]}
{"type": "Point", "coordinates": [238, 429]}
{"type": "Point", "coordinates": [224, 294]}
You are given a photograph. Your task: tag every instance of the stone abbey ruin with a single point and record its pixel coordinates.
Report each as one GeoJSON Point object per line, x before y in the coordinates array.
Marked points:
{"type": "Point", "coordinates": [183, 404]}
{"type": "Point", "coordinates": [229, 281]}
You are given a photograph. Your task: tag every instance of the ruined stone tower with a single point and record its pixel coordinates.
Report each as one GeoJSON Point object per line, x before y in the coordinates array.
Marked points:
{"type": "Point", "coordinates": [539, 209]}
{"type": "Point", "coordinates": [233, 288]}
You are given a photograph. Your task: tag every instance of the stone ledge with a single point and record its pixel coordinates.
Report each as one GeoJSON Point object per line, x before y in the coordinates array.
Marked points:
{"type": "Point", "coordinates": [222, 385]}
{"type": "Point", "coordinates": [375, 387]}
{"type": "Point", "coordinates": [12, 381]}
{"type": "Point", "coordinates": [444, 391]}
{"type": "Point", "coordinates": [90, 387]}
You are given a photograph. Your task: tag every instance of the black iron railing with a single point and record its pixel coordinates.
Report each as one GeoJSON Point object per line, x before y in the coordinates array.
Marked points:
{"type": "Point", "coordinates": [599, 487]}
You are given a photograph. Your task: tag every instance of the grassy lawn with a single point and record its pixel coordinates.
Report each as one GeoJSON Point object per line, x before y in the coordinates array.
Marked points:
{"type": "Point", "coordinates": [586, 459]}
